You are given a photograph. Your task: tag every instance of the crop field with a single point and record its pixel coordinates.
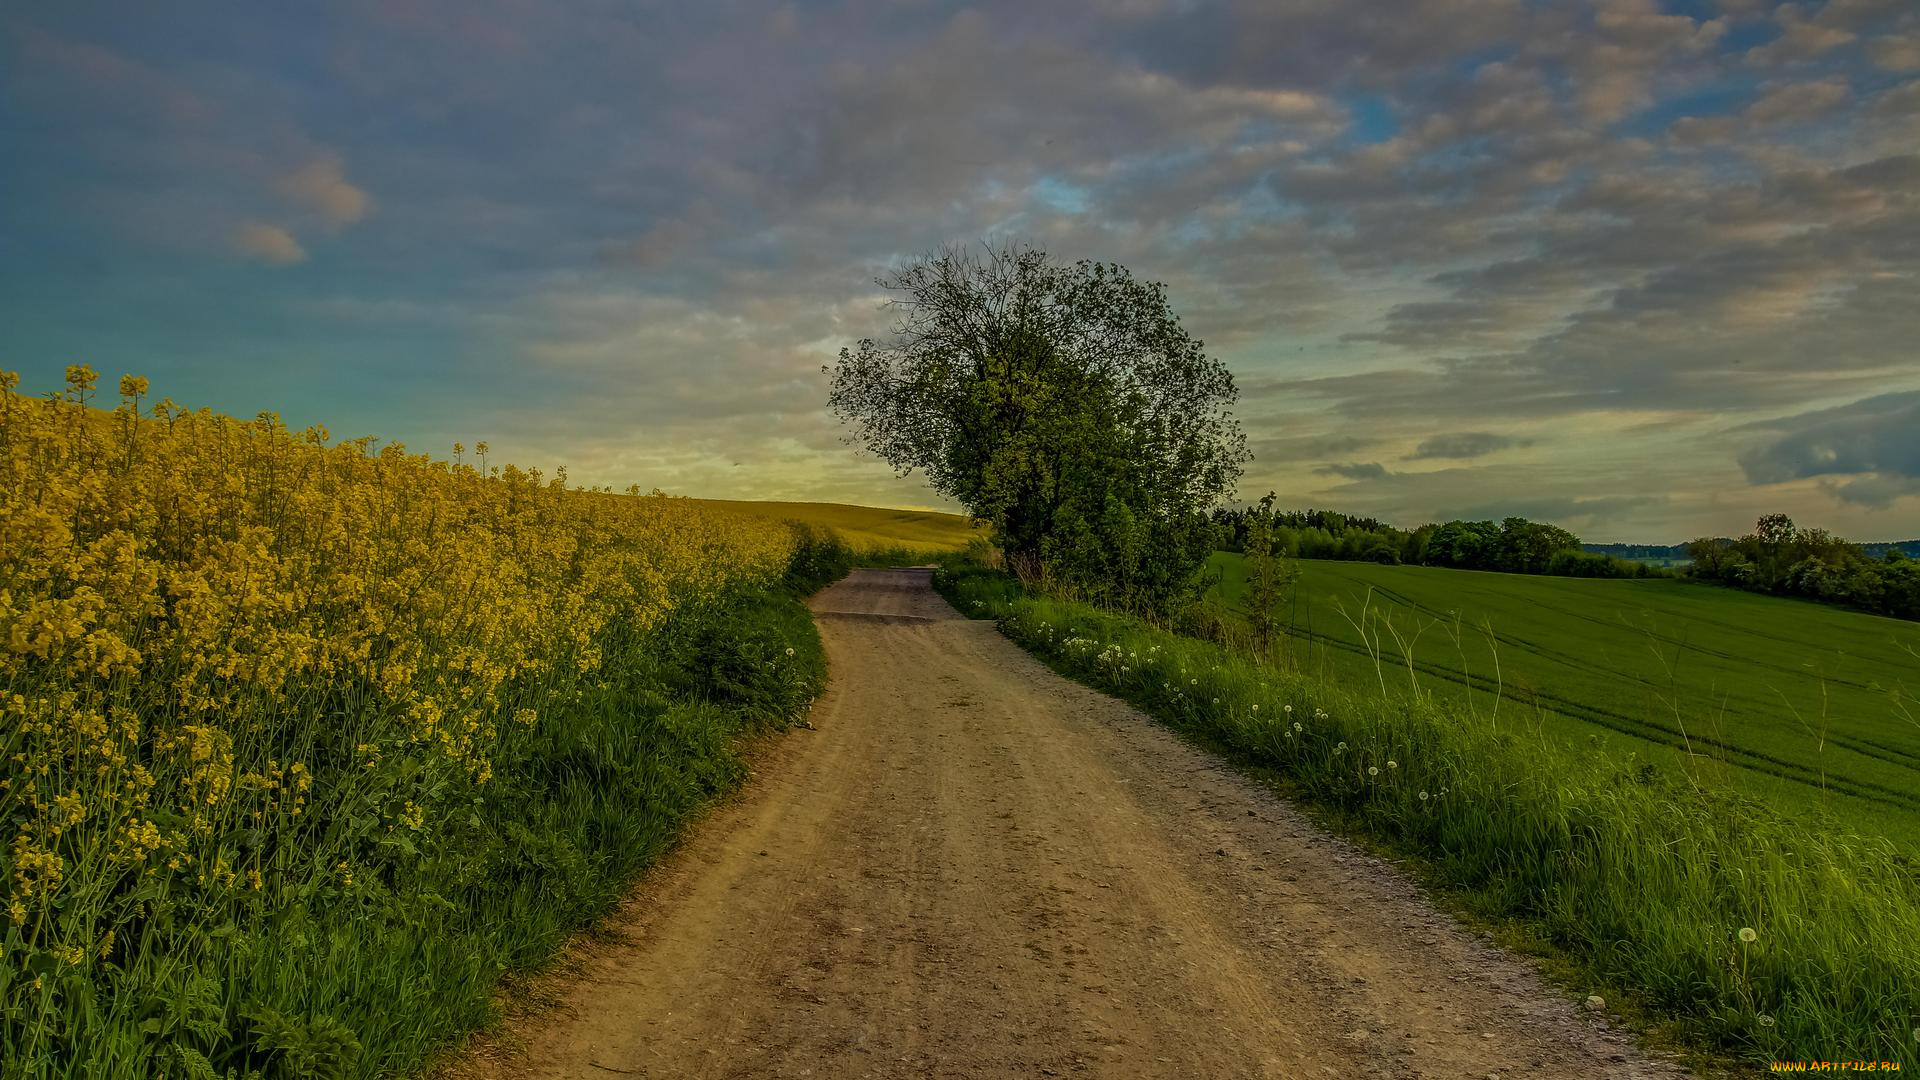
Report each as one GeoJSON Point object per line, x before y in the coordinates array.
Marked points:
{"type": "Point", "coordinates": [1802, 704]}
{"type": "Point", "coordinates": [863, 528]}
{"type": "Point", "coordinates": [303, 743]}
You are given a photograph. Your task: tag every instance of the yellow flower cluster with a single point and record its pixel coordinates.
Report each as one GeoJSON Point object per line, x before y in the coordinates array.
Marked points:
{"type": "Point", "coordinates": [210, 626]}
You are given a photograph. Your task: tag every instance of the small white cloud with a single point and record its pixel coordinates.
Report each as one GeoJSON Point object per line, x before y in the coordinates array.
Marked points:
{"type": "Point", "coordinates": [321, 186]}
{"type": "Point", "coordinates": [268, 243]}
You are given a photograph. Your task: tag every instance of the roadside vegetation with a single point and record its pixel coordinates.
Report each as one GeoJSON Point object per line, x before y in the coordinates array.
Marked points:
{"type": "Point", "coordinates": [1744, 929]}
{"type": "Point", "coordinates": [303, 743]}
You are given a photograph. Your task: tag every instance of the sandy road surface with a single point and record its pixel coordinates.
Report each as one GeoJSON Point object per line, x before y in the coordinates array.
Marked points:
{"type": "Point", "coordinates": [972, 867]}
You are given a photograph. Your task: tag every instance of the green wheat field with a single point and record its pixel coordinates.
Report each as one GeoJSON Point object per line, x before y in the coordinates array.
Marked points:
{"type": "Point", "coordinates": [1807, 706]}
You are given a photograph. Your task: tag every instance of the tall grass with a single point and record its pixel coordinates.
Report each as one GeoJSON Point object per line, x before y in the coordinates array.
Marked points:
{"type": "Point", "coordinates": [1762, 935]}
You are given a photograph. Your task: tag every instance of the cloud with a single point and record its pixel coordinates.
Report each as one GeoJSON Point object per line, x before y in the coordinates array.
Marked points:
{"type": "Point", "coordinates": [628, 239]}
{"type": "Point", "coordinates": [1800, 40]}
{"type": "Point", "coordinates": [320, 186]}
{"type": "Point", "coordinates": [1354, 470]}
{"type": "Point", "coordinates": [1564, 510]}
{"type": "Point", "coordinates": [1464, 445]}
{"type": "Point", "coordinates": [1279, 449]}
{"type": "Point", "coordinates": [1795, 102]}
{"type": "Point", "coordinates": [1896, 53]}
{"type": "Point", "coordinates": [655, 248]}
{"type": "Point", "coordinates": [1876, 491]}
{"type": "Point", "coordinates": [1876, 435]}
{"type": "Point", "coordinates": [268, 243]}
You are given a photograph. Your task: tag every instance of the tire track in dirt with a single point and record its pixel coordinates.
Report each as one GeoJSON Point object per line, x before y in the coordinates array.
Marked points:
{"type": "Point", "coordinates": [972, 867]}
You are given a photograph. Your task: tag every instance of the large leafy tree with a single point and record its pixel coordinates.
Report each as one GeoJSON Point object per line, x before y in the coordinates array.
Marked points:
{"type": "Point", "coordinates": [1063, 404]}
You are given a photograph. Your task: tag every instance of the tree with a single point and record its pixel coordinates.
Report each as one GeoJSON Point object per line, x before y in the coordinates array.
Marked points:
{"type": "Point", "coordinates": [1270, 575]}
{"type": "Point", "coordinates": [1469, 545]}
{"type": "Point", "coordinates": [1528, 547]}
{"type": "Point", "coordinates": [1063, 405]}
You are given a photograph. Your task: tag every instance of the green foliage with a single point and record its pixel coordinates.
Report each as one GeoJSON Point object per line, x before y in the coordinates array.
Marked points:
{"type": "Point", "coordinates": [282, 1047]}
{"type": "Point", "coordinates": [331, 977]}
{"type": "Point", "coordinates": [1515, 545]}
{"type": "Point", "coordinates": [1641, 874]}
{"type": "Point", "coordinates": [1064, 405]}
{"type": "Point", "coordinates": [1270, 576]}
{"type": "Point", "coordinates": [1812, 564]}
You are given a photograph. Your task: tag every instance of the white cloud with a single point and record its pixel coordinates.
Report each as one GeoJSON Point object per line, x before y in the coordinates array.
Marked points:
{"type": "Point", "coordinates": [267, 243]}
{"type": "Point", "coordinates": [321, 186]}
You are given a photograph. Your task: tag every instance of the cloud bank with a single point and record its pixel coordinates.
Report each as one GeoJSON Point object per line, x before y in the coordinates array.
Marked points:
{"type": "Point", "coordinates": [1587, 256]}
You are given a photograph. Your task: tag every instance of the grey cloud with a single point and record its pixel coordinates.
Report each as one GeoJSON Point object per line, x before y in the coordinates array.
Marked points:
{"type": "Point", "coordinates": [1559, 509]}
{"type": "Point", "coordinates": [1353, 470]}
{"type": "Point", "coordinates": [1876, 435]}
{"type": "Point", "coordinates": [1876, 491]}
{"type": "Point", "coordinates": [1463, 445]}
{"type": "Point", "coordinates": [1896, 52]}
{"type": "Point", "coordinates": [1294, 448]}
{"type": "Point", "coordinates": [1800, 39]}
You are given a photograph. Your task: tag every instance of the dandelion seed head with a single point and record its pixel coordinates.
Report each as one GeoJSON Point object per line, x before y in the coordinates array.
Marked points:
{"type": "Point", "coordinates": [1748, 935]}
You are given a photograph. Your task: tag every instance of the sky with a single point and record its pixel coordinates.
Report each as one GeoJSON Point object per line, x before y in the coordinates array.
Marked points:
{"type": "Point", "coordinates": [1647, 270]}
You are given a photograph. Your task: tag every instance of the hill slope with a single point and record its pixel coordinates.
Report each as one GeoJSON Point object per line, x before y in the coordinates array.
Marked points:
{"type": "Point", "coordinates": [864, 527]}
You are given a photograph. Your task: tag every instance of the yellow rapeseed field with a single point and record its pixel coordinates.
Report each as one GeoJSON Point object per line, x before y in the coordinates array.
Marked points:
{"type": "Point", "coordinates": [210, 627]}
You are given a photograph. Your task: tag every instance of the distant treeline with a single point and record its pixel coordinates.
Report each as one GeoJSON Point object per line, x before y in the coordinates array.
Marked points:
{"type": "Point", "coordinates": [1515, 545]}
{"type": "Point", "coordinates": [1779, 558]}
{"type": "Point", "coordinates": [1677, 553]}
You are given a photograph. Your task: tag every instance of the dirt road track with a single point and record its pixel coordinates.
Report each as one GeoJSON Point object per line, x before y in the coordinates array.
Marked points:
{"type": "Point", "coordinates": [975, 868]}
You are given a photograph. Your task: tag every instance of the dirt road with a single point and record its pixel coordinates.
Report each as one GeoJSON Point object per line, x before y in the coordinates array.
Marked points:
{"type": "Point", "coordinates": [974, 868]}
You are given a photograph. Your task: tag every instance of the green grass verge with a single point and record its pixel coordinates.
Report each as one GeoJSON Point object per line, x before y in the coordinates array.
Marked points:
{"type": "Point", "coordinates": [369, 976]}
{"type": "Point", "coordinates": [1637, 875]}
{"type": "Point", "coordinates": [1807, 706]}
